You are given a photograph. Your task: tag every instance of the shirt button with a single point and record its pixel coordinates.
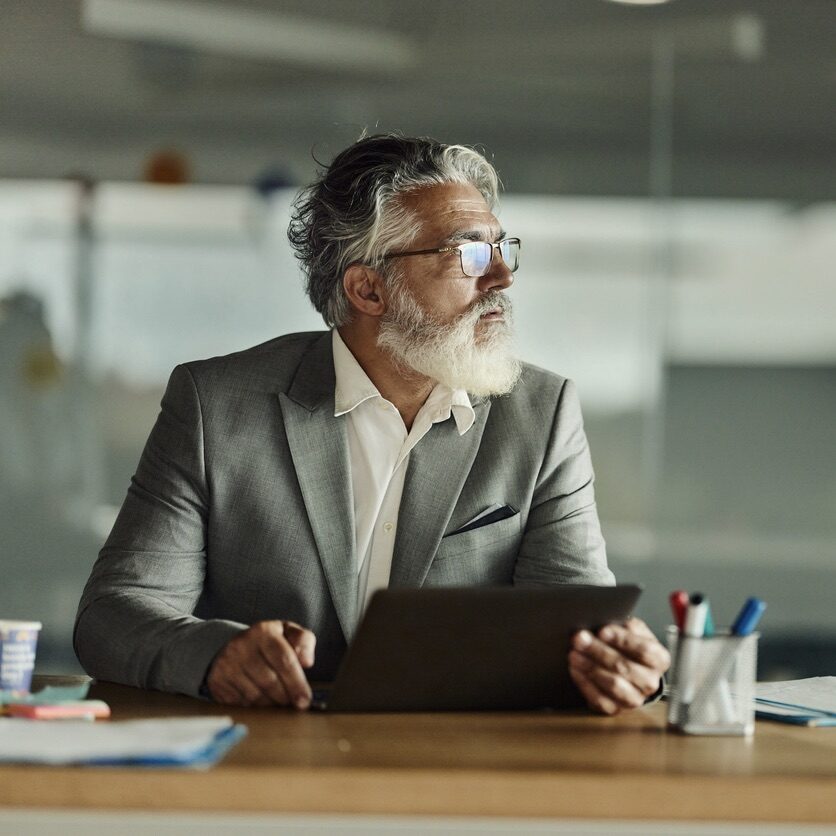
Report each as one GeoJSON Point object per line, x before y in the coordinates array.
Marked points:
{"type": "Point", "coordinates": [382, 405]}
{"type": "Point", "coordinates": [388, 526]}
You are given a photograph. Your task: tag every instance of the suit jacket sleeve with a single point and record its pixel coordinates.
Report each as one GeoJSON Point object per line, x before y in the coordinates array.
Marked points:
{"type": "Point", "coordinates": [562, 542]}
{"type": "Point", "coordinates": [135, 622]}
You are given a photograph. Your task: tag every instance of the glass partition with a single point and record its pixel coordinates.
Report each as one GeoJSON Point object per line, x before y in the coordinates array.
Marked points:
{"type": "Point", "coordinates": [742, 503]}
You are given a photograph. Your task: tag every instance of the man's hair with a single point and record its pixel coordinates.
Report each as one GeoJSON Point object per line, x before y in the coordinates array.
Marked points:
{"type": "Point", "coordinates": [350, 214]}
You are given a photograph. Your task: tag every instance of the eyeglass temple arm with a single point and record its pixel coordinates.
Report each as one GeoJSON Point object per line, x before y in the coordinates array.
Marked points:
{"type": "Point", "coordinates": [495, 245]}
{"type": "Point", "coordinates": [422, 252]}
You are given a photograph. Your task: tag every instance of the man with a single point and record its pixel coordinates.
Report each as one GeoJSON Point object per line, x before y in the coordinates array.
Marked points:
{"type": "Point", "coordinates": [281, 486]}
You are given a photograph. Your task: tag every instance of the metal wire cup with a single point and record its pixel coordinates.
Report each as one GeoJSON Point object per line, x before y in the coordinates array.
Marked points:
{"type": "Point", "coordinates": [712, 683]}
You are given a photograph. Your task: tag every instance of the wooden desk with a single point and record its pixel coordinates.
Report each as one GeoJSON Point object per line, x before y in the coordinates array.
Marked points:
{"type": "Point", "coordinates": [520, 765]}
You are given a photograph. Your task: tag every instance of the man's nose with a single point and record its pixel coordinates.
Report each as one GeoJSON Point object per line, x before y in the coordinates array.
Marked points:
{"type": "Point", "coordinates": [499, 276]}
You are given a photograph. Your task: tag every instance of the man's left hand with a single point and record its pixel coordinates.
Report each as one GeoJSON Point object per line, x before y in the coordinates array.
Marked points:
{"type": "Point", "coordinates": [618, 668]}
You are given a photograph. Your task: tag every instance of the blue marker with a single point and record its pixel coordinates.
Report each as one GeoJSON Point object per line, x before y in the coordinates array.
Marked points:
{"type": "Point", "coordinates": [749, 617]}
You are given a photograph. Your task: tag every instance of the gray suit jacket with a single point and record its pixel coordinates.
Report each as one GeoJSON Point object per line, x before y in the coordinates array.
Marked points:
{"type": "Point", "coordinates": [241, 510]}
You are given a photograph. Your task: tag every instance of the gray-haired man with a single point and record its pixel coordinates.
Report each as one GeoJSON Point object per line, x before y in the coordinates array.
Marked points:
{"type": "Point", "coordinates": [282, 485]}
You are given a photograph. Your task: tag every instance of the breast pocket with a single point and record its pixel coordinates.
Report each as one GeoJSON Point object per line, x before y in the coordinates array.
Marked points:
{"type": "Point", "coordinates": [484, 556]}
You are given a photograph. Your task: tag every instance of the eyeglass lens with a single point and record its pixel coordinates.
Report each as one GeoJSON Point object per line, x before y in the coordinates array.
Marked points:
{"type": "Point", "coordinates": [476, 256]}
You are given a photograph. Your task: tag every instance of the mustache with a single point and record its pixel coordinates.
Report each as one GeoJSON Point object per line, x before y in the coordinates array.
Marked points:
{"type": "Point", "coordinates": [491, 301]}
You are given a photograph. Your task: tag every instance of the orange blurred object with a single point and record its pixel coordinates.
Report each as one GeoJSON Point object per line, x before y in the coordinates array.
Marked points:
{"type": "Point", "coordinates": [167, 167]}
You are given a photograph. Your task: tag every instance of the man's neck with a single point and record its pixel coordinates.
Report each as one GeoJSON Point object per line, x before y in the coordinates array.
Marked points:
{"type": "Point", "coordinates": [407, 390]}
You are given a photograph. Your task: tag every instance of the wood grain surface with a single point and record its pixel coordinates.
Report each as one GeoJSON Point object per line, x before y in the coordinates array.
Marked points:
{"type": "Point", "coordinates": [510, 764]}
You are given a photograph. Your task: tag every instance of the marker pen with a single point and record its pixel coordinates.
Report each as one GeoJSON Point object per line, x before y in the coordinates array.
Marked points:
{"type": "Point", "coordinates": [689, 654]}
{"type": "Point", "coordinates": [709, 622]}
{"type": "Point", "coordinates": [679, 605]}
{"type": "Point", "coordinates": [748, 617]}
{"type": "Point", "coordinates": [695, 616]}
{"type": "Point", "coordinates": [723, 704]}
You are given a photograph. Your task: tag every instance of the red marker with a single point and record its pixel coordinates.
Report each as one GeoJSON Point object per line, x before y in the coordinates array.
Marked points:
{"type": "Point", "coordinates": [679, 606]}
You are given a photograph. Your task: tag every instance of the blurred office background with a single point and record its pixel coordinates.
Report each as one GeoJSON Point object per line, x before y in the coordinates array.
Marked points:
{"type": "Point", "coordinates": [670, 169]}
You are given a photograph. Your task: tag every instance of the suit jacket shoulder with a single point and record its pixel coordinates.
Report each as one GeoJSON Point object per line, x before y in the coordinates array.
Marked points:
{"type": "Point", "coordinates": [272, 364]}
{"type": "Point", "coordinates": [535, 395]}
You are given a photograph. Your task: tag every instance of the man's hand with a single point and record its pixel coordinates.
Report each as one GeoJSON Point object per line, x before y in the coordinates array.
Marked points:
{"type": "Point", "coordinates": [263, 666]}
{"type": "Point", "coordinates": [618, 669]}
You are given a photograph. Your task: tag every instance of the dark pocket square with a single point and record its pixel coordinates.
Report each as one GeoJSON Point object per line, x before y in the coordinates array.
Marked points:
{"type": "Point", "coordinates": [495, 516]}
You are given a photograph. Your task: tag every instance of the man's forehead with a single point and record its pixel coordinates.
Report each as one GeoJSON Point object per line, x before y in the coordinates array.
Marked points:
{"type": "Point", "coordinates": [451, 208]}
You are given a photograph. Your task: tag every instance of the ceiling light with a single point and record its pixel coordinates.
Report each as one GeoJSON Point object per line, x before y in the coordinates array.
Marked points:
{"type": "Point", "coordinates": [251, 33]}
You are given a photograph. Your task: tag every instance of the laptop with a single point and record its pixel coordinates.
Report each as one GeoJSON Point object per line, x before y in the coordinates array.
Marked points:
{"type": "Point", "coordinates": [470, 649]}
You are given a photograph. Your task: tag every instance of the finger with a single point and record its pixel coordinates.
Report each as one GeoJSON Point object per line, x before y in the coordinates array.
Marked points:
{"type": "Point", "coordinates": [614, 655]}
{"type": "Point", "coordinates": [635, 637]}
{"type": "Point", "coordinates": [636, 625]}
{"type": "Point", "coordinates": [593, 696]}
{"type": "Point", "coordinates": [616, 687]}
{"type": "Point", "coordinates": [249, 692]}
{"type": "Point", "coordinates": [603, 655]}
{"type": "Point", "coordinates": [222, 684]}
{"type": "Point", "coordinates": [302, 641]}
{"type": "Point", "coordinates": [282, 658]}
{"type": "Point", "coordinates": [262, 701]}
{"type": "Point", "coordinates": [639, 679]}
{"type": "Point", "coordinates": [639, 646]}
{"type": "Point", "coordinates": [268, 682]}
{"type": "Point", "coordinates": [224, 694]}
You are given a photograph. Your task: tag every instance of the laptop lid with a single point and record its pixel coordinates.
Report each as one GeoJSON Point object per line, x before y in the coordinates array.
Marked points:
{"type": "Point", "coordinates": [475, 648]}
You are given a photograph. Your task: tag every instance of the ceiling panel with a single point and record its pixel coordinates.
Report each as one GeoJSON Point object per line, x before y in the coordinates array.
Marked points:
{"type": "Point", "coordinates": [561, 82]}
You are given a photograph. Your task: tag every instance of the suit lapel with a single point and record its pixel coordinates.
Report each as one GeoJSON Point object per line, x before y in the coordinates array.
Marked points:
{"type": "Point", "coordinates": [319, 448]}
{"type": "Point", "coordinates": [438, 467]}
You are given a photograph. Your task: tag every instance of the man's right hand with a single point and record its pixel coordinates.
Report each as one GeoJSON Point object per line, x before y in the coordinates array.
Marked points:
{"type": "Point", "coordinates": [263, 666]}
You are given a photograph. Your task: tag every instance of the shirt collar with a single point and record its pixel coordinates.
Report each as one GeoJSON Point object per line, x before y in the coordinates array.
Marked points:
{"type": "Point", "coordinates": [354, 387]}
{"type": "Point", "coordinates": [444, 401]}
{"type": "Point", "coordinates": [353, 384]}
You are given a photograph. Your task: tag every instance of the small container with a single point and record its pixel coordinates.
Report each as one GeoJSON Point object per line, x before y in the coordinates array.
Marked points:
{"type": "Point", "coordinates": [712, 683]}
{"type": "Point", "coordinates": [18, 641]}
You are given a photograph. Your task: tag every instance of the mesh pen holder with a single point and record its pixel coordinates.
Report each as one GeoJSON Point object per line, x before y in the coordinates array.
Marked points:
{"type": "Point", "coordinates": [712, 683]}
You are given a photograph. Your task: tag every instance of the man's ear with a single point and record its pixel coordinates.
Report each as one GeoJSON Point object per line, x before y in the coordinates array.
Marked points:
{"type": "Point", "coordinates": [364, 288]}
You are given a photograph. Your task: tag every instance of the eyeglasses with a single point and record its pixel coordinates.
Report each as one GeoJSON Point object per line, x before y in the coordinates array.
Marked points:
{"type": "Point", "coordinates": [476, 256]}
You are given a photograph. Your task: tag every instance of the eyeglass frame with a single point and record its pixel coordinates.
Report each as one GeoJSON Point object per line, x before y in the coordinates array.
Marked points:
{"type": "Point", "coordinates": [493, 246]}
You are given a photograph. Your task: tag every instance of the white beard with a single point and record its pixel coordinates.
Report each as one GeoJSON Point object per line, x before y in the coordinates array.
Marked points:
{"type": "Point", "coordinates": [453, 354]}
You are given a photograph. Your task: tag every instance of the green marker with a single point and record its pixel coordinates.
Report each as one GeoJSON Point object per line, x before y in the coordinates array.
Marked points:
{"type": "Point", "coordinates": [708, 631]}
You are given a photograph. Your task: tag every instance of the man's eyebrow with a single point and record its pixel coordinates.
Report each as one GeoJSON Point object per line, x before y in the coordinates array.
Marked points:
{"type": "Point", "coordinates": [472, 235]}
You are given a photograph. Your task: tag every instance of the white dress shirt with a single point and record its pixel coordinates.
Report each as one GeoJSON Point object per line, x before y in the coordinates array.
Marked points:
{"type": "Point", "coordinates": [378, 451]}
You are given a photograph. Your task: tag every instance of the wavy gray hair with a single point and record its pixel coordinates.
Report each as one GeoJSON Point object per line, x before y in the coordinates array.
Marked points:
{"type": "Point", "coordinates": [350, 213]}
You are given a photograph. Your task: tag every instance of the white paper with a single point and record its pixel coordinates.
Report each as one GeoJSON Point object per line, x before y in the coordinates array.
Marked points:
{"type": "Point", "coordinates": [75, 741]}
{"type": "Point", "coordinates": [817, 694]}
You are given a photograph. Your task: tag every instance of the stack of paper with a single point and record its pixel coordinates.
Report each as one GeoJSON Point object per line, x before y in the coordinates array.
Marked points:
{"type": "Point", "coordinates": [804, 702]}
{"type": "Point", "coordinates": [190, 741]}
